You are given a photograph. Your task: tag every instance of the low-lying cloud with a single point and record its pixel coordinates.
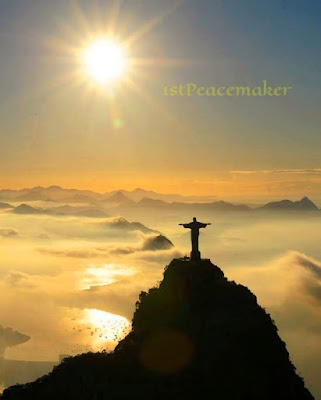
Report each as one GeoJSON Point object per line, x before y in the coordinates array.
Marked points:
{"type": "Point", "coordinates": [61, 266]}
{"type": "Point", "coordinates": [8, 232]}
{"type": "Point", "coordinates": [290, 289]}
{"type": "Point", "coordinates": [147, 243]}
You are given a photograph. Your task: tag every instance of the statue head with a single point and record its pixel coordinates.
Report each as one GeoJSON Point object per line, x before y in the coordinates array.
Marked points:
{"type": "Point", "coordinates": [194, 219]}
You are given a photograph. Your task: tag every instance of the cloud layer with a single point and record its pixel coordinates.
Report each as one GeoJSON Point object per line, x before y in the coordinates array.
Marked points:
{"type": "Point", "coordinates": [56, 269]}
{"type": "Point", "coordinates": [8, 232]}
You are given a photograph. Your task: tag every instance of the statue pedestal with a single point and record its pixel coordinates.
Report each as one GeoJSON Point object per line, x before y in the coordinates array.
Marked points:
{"type": "Point", "coordinates": [195, 255]}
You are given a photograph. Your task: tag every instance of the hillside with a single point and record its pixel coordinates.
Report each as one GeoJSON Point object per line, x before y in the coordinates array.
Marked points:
{"type": "Point", "coordinates": [197, 333]}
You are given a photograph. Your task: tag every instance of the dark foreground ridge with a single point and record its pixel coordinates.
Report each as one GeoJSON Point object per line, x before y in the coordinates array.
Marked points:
{"type": "Point", "coordinates": [196, 335]}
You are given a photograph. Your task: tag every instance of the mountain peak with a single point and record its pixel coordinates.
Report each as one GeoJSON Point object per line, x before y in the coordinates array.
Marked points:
{"type": "Point", "coordinates": [119, 197]}
{"type": "Point", "coordinates": [305, 204]}
{"type": "Point", "coordinates": [306, 200]}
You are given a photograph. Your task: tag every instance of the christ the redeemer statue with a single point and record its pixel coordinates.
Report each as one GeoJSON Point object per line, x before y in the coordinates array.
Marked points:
{"type": "Point", "coordinates": [195, 227]}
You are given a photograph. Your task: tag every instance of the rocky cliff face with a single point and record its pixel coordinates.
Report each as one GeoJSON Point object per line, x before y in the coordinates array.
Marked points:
{"type": "Point", "coordinates": [197, 333]}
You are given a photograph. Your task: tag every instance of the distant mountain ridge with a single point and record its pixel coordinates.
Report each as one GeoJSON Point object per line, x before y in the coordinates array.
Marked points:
{"type": "Point", "coordinates": [304, 204]}
{"type": "Point", "coordinates": [90, 212]}
{"type": "Point", "coordinates": [57, 193]}
{"type": "Point", "coordinates": [140, 198]}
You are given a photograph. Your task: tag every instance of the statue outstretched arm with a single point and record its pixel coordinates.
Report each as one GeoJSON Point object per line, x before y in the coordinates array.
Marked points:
{"type": "Point", "coordinates": [205, 225]}
{"type": "Point", "coordinates": [185, 225]}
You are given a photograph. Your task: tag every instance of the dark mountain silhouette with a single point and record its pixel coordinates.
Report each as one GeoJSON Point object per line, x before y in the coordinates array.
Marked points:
{"type": "Point", "coordinates": [305, 204]}
{"type": "Point", "coordinates": [151, 243]}
{"type": "Point", "coordinates": [158, 242]}
{"type": "Point", "coordinates": [195, 335]}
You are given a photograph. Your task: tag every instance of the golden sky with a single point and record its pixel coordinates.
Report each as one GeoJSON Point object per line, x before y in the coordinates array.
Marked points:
{"type": "Point", "coordinates": [60, 126]}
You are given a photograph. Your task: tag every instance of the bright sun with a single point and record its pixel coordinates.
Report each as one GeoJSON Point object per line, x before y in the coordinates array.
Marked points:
{"type": "Point", "coordinates": [105, 61]}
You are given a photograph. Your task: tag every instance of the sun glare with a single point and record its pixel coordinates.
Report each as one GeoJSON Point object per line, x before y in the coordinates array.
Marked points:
{"type": "Point", "coordinates": [105, 327]}
{"type": "Point", "coordinates": [102, 275]}
{"type": "Point", "coordinates": [105, 61]}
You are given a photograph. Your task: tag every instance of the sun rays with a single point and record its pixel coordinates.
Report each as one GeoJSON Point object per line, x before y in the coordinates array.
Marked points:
{"type": "Point", "coordinates": [101, 58]}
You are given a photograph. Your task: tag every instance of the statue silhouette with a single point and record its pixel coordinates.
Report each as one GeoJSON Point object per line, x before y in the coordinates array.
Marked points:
{"type": "Point", "coordinates": [195, 227]}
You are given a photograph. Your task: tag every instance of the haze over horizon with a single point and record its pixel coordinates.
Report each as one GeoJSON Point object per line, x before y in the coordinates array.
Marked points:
{"type": "Point", "coordinates": [152, 192]}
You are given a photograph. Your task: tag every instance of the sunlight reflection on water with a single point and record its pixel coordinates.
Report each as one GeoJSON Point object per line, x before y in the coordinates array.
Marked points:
{"type": "Point", "coordinates": [103, 328]}
{"type": "Point", "coordinates": [96, 275]}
